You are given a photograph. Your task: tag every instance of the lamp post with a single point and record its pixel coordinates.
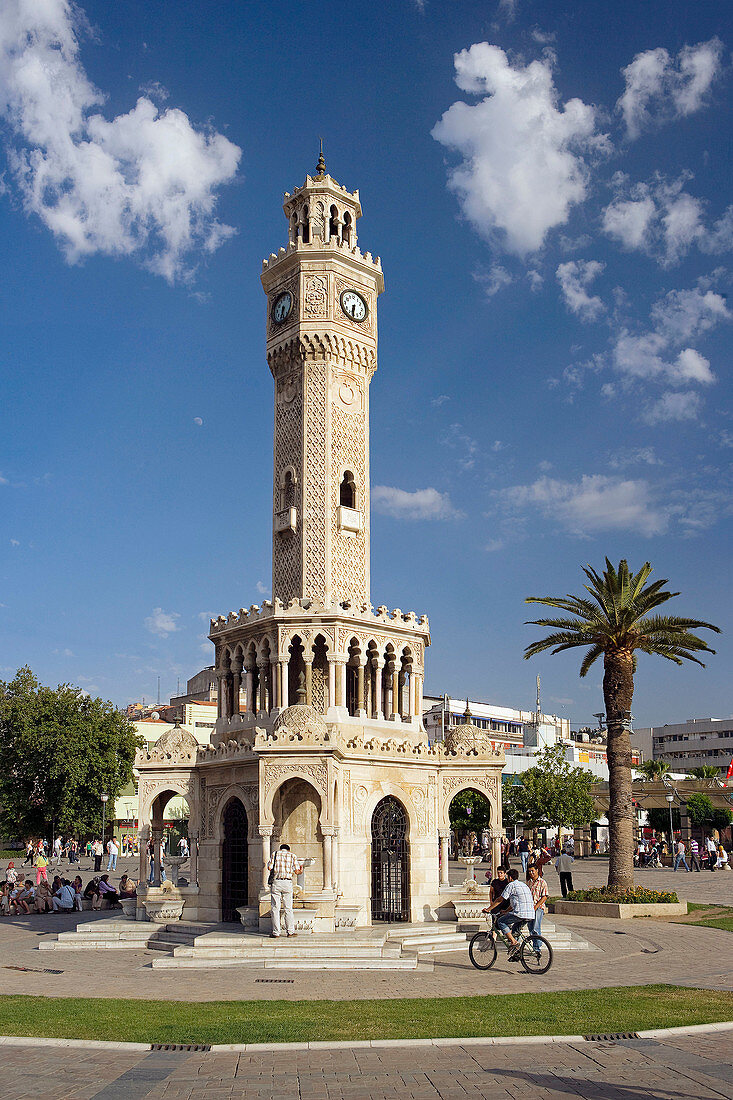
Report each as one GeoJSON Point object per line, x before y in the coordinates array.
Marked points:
{"type": "Point", "coordinates": [105, 800]}
{"type": "Point", "coordinates": [670, 800]}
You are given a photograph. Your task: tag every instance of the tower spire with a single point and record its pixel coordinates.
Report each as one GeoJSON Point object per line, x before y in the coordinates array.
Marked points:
{"type": "Point", "coordinates": [321, 166]}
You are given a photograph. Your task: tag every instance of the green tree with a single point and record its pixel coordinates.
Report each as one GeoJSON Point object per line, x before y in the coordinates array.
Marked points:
{"type": "Point", "coordinates": [60, 749]}
{"type": "Point", "coordinates": [699, 809]}
{"type": "Point", "coordinates": [705, 771]}
{"type": "Point", "coordinates": [653, 770]}
{"type": "Point", "coordinates": [469, 811]}
{"type": "Point", "coordinates": [552, 792]}
{"type": "Point", "coordinates": [616, 623]}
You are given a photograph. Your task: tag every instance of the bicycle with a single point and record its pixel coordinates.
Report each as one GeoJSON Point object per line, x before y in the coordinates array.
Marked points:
{"type": "Point", "coordinates": [534, 952]}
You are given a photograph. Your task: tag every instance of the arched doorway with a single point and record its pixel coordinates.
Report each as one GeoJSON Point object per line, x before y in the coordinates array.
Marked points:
{"type": "Point", "coordinates": [390, 862]}
{"type": "Point", "coordinates": [470, 821]}
{"type": "Point", "coordinates": [234, 870]}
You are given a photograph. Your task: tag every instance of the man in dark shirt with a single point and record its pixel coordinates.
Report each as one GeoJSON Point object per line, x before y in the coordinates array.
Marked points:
{"type": "Point", "coordinates": [497, 887]}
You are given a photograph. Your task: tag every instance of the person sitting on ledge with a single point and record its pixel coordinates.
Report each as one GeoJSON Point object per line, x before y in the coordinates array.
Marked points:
{"type": "Point", "coordinates": [108, 893]}
{"type": "Point", "coordinates": [128, 888]}
{"type": "Point", "coordinates": [91, 892]}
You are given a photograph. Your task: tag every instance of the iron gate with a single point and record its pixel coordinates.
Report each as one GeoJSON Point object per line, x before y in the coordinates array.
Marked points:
{"type": "Point", "coordinates": [390, 862]}
{"type": "Point", "coordinates": [234, 884]}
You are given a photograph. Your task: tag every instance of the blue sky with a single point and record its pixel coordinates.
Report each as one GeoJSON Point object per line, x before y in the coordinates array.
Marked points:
{"type": "Point", "coordinates": [548, 187]}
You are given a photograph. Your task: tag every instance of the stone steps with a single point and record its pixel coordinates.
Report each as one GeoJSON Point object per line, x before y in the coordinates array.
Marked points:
{"type": "Point", "coordinates": [323, 963]}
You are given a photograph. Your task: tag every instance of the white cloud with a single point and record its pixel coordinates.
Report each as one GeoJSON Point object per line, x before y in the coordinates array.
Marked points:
{"type": "Point", "coordinates": [493, 280]}
{"type": "Point", "coordinates": [661, 219]}
{"type": "Point", "coordinates": [663, 354]}
{"type": "Point", "coordinates": [593, 504]}
{"type": "Point", "coordinates": [574, 278]}
{"type": "Point", "coordinates": [420, 504]}
{"type": "Point", "coordinates": [62, 653]}
{"type": "Point", "coordinates": [441, 399]}
{"type": "Point", "coordinates": [536, 280]}
{"type": "Point", "coordinates": [660, 88]}
{"type": "Point", "coordinates": [493, 545]}
{"type": "Point", "coordinates": [523, 164]}
{"type": "Point", "coordinates": [673, 406]}
{"type": "Point", "coordinates": [262, 588]}
{"type": "Point", "coordinates": [635, 456]}
{"type": "Point", "coordinates": [162, 622]}
{"type": "Point", "coordinates": [143, 184]}
{"type": "Point", "coordinates": [14, 542]}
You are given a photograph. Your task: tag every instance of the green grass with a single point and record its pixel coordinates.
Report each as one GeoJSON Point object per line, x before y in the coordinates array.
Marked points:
{"type": "Point", "coordinates": [723, 916]}
{"type": "Point", "coordinates": [594, 1010]}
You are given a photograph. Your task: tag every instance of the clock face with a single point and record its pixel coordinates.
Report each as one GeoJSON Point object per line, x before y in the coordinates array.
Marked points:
{"type": "Point", "coordinates": [282, 308]}
{"type": "Point", "coordinates": [353, 305]}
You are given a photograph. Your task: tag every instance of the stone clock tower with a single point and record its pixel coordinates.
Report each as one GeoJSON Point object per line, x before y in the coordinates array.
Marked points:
{"type": "Point", "coordinates": [319, 739]}
{"type": "Point", "coordinates": [322, 351]}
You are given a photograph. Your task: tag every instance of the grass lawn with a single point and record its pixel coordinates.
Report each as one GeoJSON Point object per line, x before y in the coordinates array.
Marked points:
{"type": "Point", "coordinates": [721, 916]}
{"type": "Point", "coordinates": [632, 1008]}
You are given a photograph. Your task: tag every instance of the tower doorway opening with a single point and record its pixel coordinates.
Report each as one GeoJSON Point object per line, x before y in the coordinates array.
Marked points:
{"type": "Point", "coordinates": [234, 862]}
{"type": "Point", "coordinates": [390, 862]}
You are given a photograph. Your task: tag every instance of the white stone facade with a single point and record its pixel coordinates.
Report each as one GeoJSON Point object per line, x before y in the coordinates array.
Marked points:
{"type": "Point", "coordinates": [328, 750]}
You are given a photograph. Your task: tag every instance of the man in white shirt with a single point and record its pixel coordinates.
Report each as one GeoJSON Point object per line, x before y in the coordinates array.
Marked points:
{"type": "Point", "coordinates": [283, 865]}
{"type": "Point", "coordinates": [564, 867]}
{"type": "Point", "coordinates": [521, 903]}
{"type": "Point", "coordinates": [112, 851]}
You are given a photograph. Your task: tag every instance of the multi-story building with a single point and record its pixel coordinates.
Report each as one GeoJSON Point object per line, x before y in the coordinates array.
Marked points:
{"type": "Point", "coordinates": [688, 745]}
{"type": "Point", "coordinates": [512, 727]}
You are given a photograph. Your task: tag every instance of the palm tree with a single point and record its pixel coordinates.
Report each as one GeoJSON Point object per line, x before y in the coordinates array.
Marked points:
{"type": "Point", "coordinates": [615, 623]}
{"type": "Point", "coordinates": [705, 771]}
{"type": "Point", "coordinates": [653, 770]}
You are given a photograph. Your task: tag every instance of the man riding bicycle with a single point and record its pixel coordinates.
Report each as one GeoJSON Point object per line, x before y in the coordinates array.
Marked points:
{"type": "Point", "coordinates": [521, 909]}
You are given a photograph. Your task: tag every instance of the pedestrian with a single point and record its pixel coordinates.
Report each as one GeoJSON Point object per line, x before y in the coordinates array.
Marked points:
{"type": "Point", "coordinates": [540, 893]}
{"type": "Point", "coordinates": [57, 846]}
{"type": "Point", "coordinates": [41, 865]}
{"type": "Point", "coordinates": [523, 850]}
{"type": "Point", "coordinates": [98, 851]}
{"type": "Point", "coordinates": [694, 855]}
{"type": "Point", "coordinates": [29, 853]}
{"type": "Point", "coordinates": [282, 866]}
{"type": "Point", "coordinates": [680, 855]}
{"type": "Point", "coordinates": [712, 852]}
{"type": "Point", "coordinates": [11, 874]}
{"type": "Point", "coordinates": [112, 852]}
{"type": "Point", "coordinates": [564, 867]}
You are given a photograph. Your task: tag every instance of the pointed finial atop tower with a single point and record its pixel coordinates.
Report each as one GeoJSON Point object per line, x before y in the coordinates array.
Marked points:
{"type": "Point", "coordinates": [321, 166]}
{"type": "Point", "coordinates": [467, 716]}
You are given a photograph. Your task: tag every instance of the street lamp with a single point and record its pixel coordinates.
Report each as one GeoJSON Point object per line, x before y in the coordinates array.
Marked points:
{"type": "Point", "coordinates": [105, 800]}
{"type": "Point", "coordinates": [670, 800]}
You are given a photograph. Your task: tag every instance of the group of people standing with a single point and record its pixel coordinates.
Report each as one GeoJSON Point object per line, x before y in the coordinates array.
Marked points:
{"type": "Point", "coordinates": [690, 854]}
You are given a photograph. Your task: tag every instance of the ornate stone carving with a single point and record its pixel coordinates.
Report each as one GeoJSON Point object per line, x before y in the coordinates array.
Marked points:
{"type": "Point", "coordinates": [467, 736]}
{"type": "Point", "coordinates": [176, 746]}
{"type": "Point", "coordinates": [315, 296]}
{"type": "Point", "coordinates": [317, 774]}
{"type": "Point", "coordinates": [213, 794]}
{"type": "Point", "coordinates": [302, 723]}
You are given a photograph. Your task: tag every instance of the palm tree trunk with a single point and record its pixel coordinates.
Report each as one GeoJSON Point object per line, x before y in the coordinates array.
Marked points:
{"type": "Point", "coordinates": [618, 691]}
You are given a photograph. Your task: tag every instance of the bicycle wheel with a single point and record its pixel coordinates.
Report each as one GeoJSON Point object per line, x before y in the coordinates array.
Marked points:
{"type": "Point", "coordinates": [536, 955]}
{"type": "Point", "coordinates": [482, 951]}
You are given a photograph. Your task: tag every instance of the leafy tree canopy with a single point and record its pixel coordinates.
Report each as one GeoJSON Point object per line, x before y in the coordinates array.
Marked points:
{"type": "Point", "coordinates": [60, 749]}
{"type": "Point", "coordinates": [652, 770]}
{"type": "Point", "coordinates": [701, 811]}
{"type": "Point", "coordinates": [470, 811]}
{"type": "Point", "coordinates": [552, 792]}
{"type": "Point", "coordinates": [705, 771]}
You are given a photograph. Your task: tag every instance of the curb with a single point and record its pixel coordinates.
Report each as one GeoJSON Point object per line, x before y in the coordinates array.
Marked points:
{"type": "Point", "coordinates": [364, 1044]}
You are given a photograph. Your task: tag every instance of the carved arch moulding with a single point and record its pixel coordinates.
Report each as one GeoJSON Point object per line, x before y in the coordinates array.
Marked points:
{"type": "Point", "coordinates": [453, 784]}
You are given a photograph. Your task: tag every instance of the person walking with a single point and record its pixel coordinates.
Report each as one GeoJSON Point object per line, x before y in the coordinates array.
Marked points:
{"type": "Point", "coordinates": [98, 852]}
{"type": "Point", "coordinates": [112, 852]}
{"type": "Point", "coordinates": [564, 867]}
{"type": "Point", "coordinates": [41, 865]}
{"type": "Point", "coordinates": [57, 845]}
{"type": "Point", "coordinates": [523, 850]}
{"type": "Point", "coordinates": [540, 893]}
{"type": "Point", "coordinates": [712, 852]}
{"type": "Point", "coordinates": [680, 855]}
{"type": "Point", "coordinates": [694, 855]}
{"type": "Point", "coordinates": [29, 853]}
{"type": "Point", "coordinates": [282, 866]}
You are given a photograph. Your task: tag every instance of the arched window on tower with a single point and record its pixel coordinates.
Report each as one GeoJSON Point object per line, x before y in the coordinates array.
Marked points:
{"type": "Point", "coordinates": [287, 489]}
{"type": "Point", "coordinates": [333, 224]}
{"type": "Point", "coordinates": [286, 516]}
{"type": "Point", "coordinates": [346, 234]}
{"type": "Point", "coordinates": [305, 226]}
{"type": "Point", "coordinates": [347, 491]}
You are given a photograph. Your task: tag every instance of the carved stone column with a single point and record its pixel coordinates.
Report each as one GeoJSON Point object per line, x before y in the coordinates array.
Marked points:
{"type": "Point", "coordinates": [361, 711]}
{"type": "Point", "coordinates": [377, 708]}
{"type": "Point", "coordinates": [495, 835]}
{"type": "Point", "coordinates": [143, 866]}
{"type": "Point", "coordinates": [193, 842]}
{"type": "Point", "coordinates": [265, 832]}
{"type": "Point", "coordinates": [336, 876]}
{"type": "Point", "coordinates": [220, 688]}
{"type": "Point", "coordinates": [236, 684]}
{"type": "Point", "coordinates": [308, 680]}
{"type": "Point", "coordinates": [327, 831]}
{"type": "Point", "coordinates": [283, 665]}
{"type": "Point", "coordinates": [340, 663]}
{"type": "Point", "coordinates": [444, 835]}
{"type": "Point", "coordinates": [417, 690]}
{"type": "Point", "coordinates": [331, 681]}
{"type": "Point", "coordinates": [264, 670]}
{"type": "Point", "coordinates": [395, 695]}
{"type": "Point", "coordinates": [157, 840]}
{"type": "Point", "coordinates": [251, 705]}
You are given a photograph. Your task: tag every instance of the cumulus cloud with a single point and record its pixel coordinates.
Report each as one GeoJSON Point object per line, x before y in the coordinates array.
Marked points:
{"type": "Point", "coordinates": [523, 165]}
{"type": "Point", "coordinates": [663, 220]}
{"type": "Point", "coordinates": [660, 87]}
{"type": "Point", "coordinates": [593, 504]}
{"type": "Point", "coordinates": [493, 280]}
{"type": "Point", "coordinates": [664, 353]}
{"type": "Point", "coordinates": [420, 504]}
{"type": "Point", "coordinates": [574, 278]}
{"type": "Point", "coordinates": [162, 622]}
{"type": "Point", "coordinates": [262, 588]}
{"type": "Point", "coordinates": [142, 184]}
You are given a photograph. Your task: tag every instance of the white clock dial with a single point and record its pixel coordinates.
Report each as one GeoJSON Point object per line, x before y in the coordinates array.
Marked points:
{"type": "Point", "coordinates": [353, 305]}
{"type": "Point", "coordinates": [282, 307]}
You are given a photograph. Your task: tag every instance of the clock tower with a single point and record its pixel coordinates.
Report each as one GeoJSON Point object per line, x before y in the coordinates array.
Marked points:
{"type": "Point", "coordinates": [321, 326]}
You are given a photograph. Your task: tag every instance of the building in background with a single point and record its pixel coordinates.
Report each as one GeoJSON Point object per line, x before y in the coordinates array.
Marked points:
{"type": "Point", "coordinates": [512, 727]}
{"type": "Point", "coordinates": [688, 745]}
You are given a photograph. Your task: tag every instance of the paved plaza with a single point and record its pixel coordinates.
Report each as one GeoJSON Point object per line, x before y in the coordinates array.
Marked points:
{"type": "Point", "coordinates": [681, 1067]}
